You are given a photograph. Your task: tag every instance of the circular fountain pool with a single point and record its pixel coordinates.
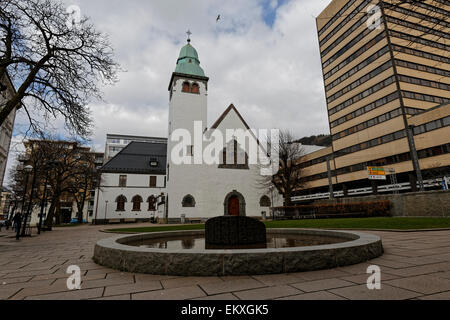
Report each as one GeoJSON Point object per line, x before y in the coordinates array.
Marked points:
{"type": "Point", "coordinates": [197, 242]}
{"type": "Point", "coordinates": [287, 250]}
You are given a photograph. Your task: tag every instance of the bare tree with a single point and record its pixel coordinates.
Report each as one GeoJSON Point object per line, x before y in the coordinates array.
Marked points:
{"type": "Point", "coordinates": [55, 64]}
{"type": "Point", "coordinates": [67, 167]}
{"type": "Point", "coordinates": [288, 179]}
{"type": "Point", "coordinates": [84, 179]}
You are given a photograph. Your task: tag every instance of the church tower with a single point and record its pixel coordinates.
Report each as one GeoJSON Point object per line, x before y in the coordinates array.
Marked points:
{"type": "Point", "coordinates": [188, 103]}
{"type": "Point", "coordinates": [188, 92]}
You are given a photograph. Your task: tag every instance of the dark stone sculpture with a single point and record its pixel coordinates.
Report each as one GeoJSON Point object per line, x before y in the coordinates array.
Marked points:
{"type": "Point", "coordinates": [228, 232]}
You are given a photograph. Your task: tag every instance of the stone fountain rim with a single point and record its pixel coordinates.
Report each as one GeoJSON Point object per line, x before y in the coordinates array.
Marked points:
{"type": "Point", "coordinates": [355, 239]}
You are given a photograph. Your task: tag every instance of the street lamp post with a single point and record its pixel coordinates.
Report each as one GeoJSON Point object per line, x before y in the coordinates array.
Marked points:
{"type": "Point", "coordinates": [271, 199]}
{"type": "Point", "coordinates": [27, 170]}
{"type": "Point", "coordinates": [43, 201]}
{"type": "Point", "coordinates": [83, 199]}
{"type": "Point", "coordinates": [44, 195]}
{"type": "Point", "coordinates": [30, 203]}
{"type": "Point", "coordinates": [106, 207]}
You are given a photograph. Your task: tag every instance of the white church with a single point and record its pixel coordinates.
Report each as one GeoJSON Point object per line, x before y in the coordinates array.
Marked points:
{"type": "Point", "coordinates": [202, 172]}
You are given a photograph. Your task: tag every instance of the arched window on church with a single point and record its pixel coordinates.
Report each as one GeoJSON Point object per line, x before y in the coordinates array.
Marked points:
{"type": "Point", "coordinates": [264, 201]}
{"type": "Point", "coordinates": [195, 88]}
{"type": "Point", "coordinates": [188, 201]}
{"type": "Point", "coordinates": [121, 200]}
{"type": "Point", "coordinates": [233, 157]}
{"type": "Point", "coordinates": [186, 87]}
{"type": "Point", "coordinates": [137, 200]}
{"type": "Point", "coordinates": [151, 203]}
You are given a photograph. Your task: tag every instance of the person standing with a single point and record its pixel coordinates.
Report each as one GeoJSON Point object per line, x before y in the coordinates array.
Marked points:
{"type": "Point", "coordinates": [17, 219]}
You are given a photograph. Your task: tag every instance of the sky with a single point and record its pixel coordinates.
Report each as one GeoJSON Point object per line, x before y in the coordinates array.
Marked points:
{"type": "Point", "coordinates": [262, 56]}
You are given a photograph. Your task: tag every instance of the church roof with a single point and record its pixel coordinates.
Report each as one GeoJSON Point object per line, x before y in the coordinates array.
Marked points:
{"type": "Point", "coordinates": [224, 115]}
{"type": "Point", "coordinates": [188, 62]}
{"type": "Point", "coordinates": [136, 157]}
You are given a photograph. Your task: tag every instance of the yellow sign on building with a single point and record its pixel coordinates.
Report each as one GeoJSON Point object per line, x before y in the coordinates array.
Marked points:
{"type": "Point", "coordinates": [376, 173]}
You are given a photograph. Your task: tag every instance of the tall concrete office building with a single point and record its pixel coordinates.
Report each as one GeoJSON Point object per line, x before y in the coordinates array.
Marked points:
{"type": "Point", "coordinates": [386, 70]}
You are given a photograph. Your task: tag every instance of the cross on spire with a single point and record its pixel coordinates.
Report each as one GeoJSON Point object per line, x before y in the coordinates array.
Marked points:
{"type": "Point", "coordinates": [189, 35]}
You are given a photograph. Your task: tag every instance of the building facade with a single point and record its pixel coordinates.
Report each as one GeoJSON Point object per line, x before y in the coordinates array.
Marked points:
{"type": "Point", "coordinates": [5, 203]}
{"type": "Point", "coordinates": [116, 142]}
{"type": "Point", "coordinates": [196, 188]}
{"type": "Point", "coordinates": [386, 71]}
{"type": "Point", "coordinates": [66, 161]}
{"type": "Point", "coordinates": [7, 127]}
{"type": "Point", "coordinates": [133, 185]}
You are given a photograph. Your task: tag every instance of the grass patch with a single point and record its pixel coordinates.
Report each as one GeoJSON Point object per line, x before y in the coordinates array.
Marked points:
{"type": "Point", "coordinates": [159, 229]}
{"type": "Point", "coordinates": [345, 223]}
{"type": "Point", "coordinates": [364, 223]}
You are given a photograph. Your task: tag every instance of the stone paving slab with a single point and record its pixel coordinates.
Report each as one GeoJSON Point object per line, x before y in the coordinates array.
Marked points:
{"type": "Point", "coordinates": [115, 298]}
{"type": "Point", "coordinates": [105, 282]}
{"type": "Point", "coordinates": [27, 292]}
{"type": "Point", "coordinates": [132, 288]}
{"type": "Point", "coordinates": [219, 297]}
{"type": "Point", "coordinates": [386, 293]}
{"type": "Point", "coordinates": [188, 281]}
{"type": "Point", "coordinates": [392, 263]}
{"type": "Point", "coordinates": [15, 280]}
{"type": "Point", "coordinates": [6, 293]}
{"type": "Point", "coordinates": [362, 278]}
{"type": "Point", "coordinates": [416, 265]}
{"type": "Point", "coordinates": [322, 274]}
{"type": "Point", "coordinates": [324, 284]}
{"type": "Point", "coordinates": [231, 286]}
{"type": "Point", "coordinates": [438, 296]}
{"type": "Point", "coordinates": [320, 295]}
{"type": "Point", "coordinates": [171, 294]}
{"type": "Point", "coordinates": [424, 269]}
{"type": "Point", "coordinates": [70, 295]}
{"type": "Point", "coordinates": [426, 284]}
{"type": "Point", "coordinates": [267, 293]}
{"type": "Point", "coordinates": [278, 279]}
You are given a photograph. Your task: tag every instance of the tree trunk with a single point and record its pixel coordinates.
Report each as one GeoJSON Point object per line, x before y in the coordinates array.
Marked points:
{"type": "Point", "coordinates": [51, 212]}
{"type": "Point", "coordinates": [58, 213]}
{"type": "Point", "coordinates": [287, 198]}
{"type": "Point", "coordinates": [80, 213]}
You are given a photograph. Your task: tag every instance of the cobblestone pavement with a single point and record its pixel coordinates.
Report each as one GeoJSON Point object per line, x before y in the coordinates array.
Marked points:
{"type": "Point", "coordinates": [416, 265]}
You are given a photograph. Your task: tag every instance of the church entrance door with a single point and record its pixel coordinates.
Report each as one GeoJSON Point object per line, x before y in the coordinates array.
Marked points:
{"type": "Point", "coordinates": [233, 206]}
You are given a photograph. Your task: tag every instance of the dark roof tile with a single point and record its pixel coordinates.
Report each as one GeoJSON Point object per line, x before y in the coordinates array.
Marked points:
{"type": "Point", "coordinates": [136, 158]}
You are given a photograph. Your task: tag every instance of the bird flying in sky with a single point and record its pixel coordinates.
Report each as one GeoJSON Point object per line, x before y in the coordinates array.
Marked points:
{"type": "Point", "coordinates": [218, 18]}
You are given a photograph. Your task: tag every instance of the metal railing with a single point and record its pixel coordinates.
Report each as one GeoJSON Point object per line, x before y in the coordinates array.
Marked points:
{"type": "Point", "coordinates": [431, 183]}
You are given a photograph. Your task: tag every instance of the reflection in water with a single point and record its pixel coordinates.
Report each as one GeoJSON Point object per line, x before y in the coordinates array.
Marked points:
{"type": "Point", "coordinates": [161, 245]}
{"type": "Point", "coordinates": [273, 241]}
{"type": "Point", "coordinates": [188, 243]}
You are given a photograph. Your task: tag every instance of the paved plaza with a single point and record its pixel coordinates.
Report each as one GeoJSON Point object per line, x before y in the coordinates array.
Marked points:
{"type": "Point", "coordinates": [416, 265]}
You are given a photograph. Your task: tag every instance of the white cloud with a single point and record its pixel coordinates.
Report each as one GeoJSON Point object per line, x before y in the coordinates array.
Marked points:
{"type": "Point", "coordinates": [272, 75]}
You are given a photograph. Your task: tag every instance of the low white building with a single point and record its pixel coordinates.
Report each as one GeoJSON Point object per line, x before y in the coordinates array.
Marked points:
{"type": "Point", "coordinates": [133, 184]}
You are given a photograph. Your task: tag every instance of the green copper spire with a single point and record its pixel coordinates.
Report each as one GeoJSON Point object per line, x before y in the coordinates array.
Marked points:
{"type": "Point", "coordinates": [188, 62]}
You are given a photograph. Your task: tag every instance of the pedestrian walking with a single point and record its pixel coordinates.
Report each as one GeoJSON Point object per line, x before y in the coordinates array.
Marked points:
{"type": "Point", "coordinates": [17, 219]}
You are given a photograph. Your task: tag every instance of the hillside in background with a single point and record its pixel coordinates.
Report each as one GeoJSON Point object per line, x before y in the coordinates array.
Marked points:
{"type": "Point", "coordinates": [323, 140]}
